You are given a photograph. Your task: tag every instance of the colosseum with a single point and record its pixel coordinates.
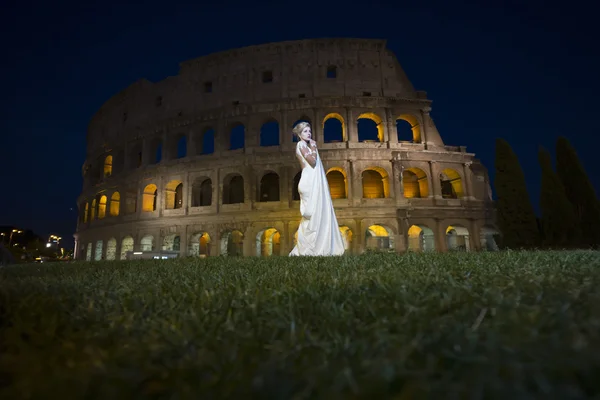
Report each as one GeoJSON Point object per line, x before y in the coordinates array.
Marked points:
{"type": "Point", "coordinates": [202, 163]}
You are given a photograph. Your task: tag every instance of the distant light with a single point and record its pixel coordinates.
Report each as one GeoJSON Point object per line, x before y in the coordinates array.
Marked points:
{"type": "Point", "coordinates": [48, 244]}
{"type": "Point", "coordinates": [137, 252]}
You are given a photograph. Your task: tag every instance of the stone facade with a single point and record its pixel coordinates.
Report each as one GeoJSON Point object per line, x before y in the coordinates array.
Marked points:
{"type": "Point", "coordinates": [203, 163]}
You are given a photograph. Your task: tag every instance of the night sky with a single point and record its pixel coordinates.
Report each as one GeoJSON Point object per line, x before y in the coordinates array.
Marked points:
{"type": "Point", "coordinates": [525, 72]}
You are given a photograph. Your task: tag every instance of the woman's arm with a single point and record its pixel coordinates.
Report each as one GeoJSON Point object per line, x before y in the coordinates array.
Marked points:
{"type": "Point", "coordinates": [309, 156]}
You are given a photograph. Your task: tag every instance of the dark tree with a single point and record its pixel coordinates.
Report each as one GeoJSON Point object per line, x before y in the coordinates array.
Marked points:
{"type": "Point", "coordinates": [515, 216]}
{"type": "Point", "coordinates": [559, 222]}
{"type": "Point", "coordinates": [579, 191]}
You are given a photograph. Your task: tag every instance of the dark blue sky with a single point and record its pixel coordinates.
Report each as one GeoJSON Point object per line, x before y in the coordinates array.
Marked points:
{"type": "Point", "coordinates": [526, 71]}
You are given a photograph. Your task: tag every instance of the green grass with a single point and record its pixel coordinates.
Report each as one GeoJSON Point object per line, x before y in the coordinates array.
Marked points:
{"type": "Point", "coordinates": [481, 325]}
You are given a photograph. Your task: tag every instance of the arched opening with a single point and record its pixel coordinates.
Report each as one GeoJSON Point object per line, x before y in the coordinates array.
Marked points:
{"type": "Point", "coordinates": [375, 183]}
{"type": "Point", "coordinates": [414, 182]}
{"type": "Point", "coordinates": [232, 244]}
{"type": "Point", "coordinates": [295, 193]}
{"type": "Point", "coordinates": [174, 195]}
{"type": "Point", "coordinates": [86, 210]}
{"type": "Point", "coordinates": [115, 201]}
{"type": "Point", "coordinates": [88, 252]}
{"type": "Point", "coordinates": [334, 128]}
{"type": "Point", "coordinates": [98, 252]}
{"type": "Point", "coordinates": [237, 137]}
{"type": "Point", "coordinates": [126, 245]}
{"type": "Point", "coordinates": [206, 142]}
{"type": "Point", "coordinates": [102, 207]}
{"type": "Point", "coordinates": [338, 185]}
{"type": "Point", "coordinates": [171, 242]}
{"type": "Point", "coordinates": [457, 238]}
{"type": "Point", "coordinates": [451, 184]}
{"type": "Point", "coordinates": [201, 192]}
{"type": "Point", "coordinates": [269, 187]}
{"type": "Point", "coordinates": [181, 146]}
{"type": "Point", "coordinates": [111, 249]}
{"type": "Point", "coordinates": [147, 243]}
{"type": "Point", "coordinates": [233, 189]}
{"type": "Point", "coordinates": [108, 166]}
{"type": "Point", "coordinates": [408, 128]}
{"type": "Point", "coordinates": [379, 237]}
{"type": "Point", "coordinates": [488, 237]}
{"type": "Point", "coordinates": [420, 238]}
{"type": "Point", "coordinates": [199, 245]}
{"type": "Point", "coordinates": [370, 128]}
{"type": "Point", "coordinates": [303, 119]}
{"type": "Point", "coordinates": [135, 156]}
{"type": "Point", "coordinates": [149, 198]}
{"type": "Point", "coordinates": [268, 242]}
{"type": "Point", "coordinates": [346, 237]}
{"type": "Point", "coordinates": [269, 133]}
{"type": "Point", "coordinates": [93, 210]}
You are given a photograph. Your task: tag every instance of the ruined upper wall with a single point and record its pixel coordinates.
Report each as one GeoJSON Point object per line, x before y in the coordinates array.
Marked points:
{"type": "Point", "coordinates": [269, 72]}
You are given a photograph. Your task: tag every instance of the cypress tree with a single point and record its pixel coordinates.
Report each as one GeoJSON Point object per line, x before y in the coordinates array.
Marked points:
{"type": "Point", "coordinates": [579, 191]}
{"type": "Point", "coordinates": [515, 216]}
{"type": "Point", "coordinates": [559, 222]}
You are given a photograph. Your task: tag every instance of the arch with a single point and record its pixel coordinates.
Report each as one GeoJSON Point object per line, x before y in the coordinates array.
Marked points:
{"type": "Point", "coordinates": [111, 249]}
{"type": "Point", "coordinates": [334, 128]}
{"type": "Point", "coordinates": [269, 187]}
{"type": "Point", "coordinates": [338, 183]}
{"type": "Point", "coordinates": [206, 142]}
{"type": "Point", "coordinates": [420, 238]}
{"type": "Point", "coordinates": [147, 243]}
{"type": "Point", "coordinates": [451, 184]}
{"type": "Point", "coordinates": [268, 242]}
{"type": "Point", "coordinates": [414, 183]}
{"type": "Point", "coordinates": [199, 245]}
{"type": "Point", "coordinates": [108, 166]}
{"type": "Point", "coordinates": [237, 136]}
{"type": "Point", "coordinates": [295, 193]}
{"type": "Point", "coordinates": [93, 210]}
{"type": "Point", "coordinates": [302, 119]}
{"type": "Point", "coordinates": [488, 235]}
{"type": "Point", "coordinates": [406, 125]}
{"type": "Point", "coordinates": [181, 149]}
{"type": "Point", "coordinates": [98, 250]}
{"type": "Point", "coordinates": [86, 210]}
{"type": "Point", "coordinates": [269, 133]}
{"type": "Point", "coordinates": [171, 242]}
{"type": "Point", "coordinates": [149, 198]}
{"type": "Point", "coordinates": [233, 189]}
{"type": "Point", "coordinates": [346, 237]}
{"type": "Point", "coordinates": [115, 204]}
{"type": "Point", "coordinates": [126, 245]}
{"type": "Point", "coordinates": [232, 243]}
{"type": "Point", "coordinates": [201, 192]}
{"type": "Point", "coordinates": [379, 237]}
{"type": "Point", "coordinates": [370, 127]}
{"type": "Point", "coordinates": [134, 156]}
{"type": "Point", "coordinates": [457, 238]}
{"type": "Point", "coordinates": [174, 195]}
{"type": "Point", "coordinates": [102, 206]}
{"type": "Point", "coordinates": [375, 183]}
{"type": "Point", "coordinates": [88, 252]}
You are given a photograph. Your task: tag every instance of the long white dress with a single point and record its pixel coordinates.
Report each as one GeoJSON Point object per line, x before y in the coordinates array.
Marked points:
{"type": "Point", "coordinates": [318, 233]}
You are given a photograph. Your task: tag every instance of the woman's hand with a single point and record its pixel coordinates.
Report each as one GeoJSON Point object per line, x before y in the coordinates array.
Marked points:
{"type": "Point", "coordinates": [312, 144]}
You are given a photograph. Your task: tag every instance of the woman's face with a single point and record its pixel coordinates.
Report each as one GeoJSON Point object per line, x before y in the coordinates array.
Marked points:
{"type": "Point", "coordinates": [306, 133]}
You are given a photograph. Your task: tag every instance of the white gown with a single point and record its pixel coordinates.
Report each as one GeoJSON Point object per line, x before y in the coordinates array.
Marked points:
{"type": "Point", "coordinates": [318, 233]}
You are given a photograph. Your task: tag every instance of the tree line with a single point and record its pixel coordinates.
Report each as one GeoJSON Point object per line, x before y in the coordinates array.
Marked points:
{"type": "Point", "coordinates": [570, 209]}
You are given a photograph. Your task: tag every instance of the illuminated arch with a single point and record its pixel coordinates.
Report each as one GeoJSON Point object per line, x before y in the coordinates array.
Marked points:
{"type": "Point", "coordinates": [338, 183]}
{"type": "Point", "coordinates": [335, 129]}
{"type": "Point", "coordinates": [375, 182]}
{"type": "Point", "coordinates": [111, 249]}
{"type": "Point", "coordinates": [268, 242]}
{"type": "Point", "coordinates": [93, 210]}
{"type": "Point", "coordinates": [420, 238]}
{"type": "Point", "coordinates": [415, 183]}
{"type": "Point", "coordinates": [376, 119]}
{"type": "Point", "coordinates": [232, 243]}
{"type": "Point", "coordinates": [415, 127]}
{"type": "Point", "coordinates": [149, 198]}
{"type": "Point", "coordinates": [379, 237]}
{"type": "Point", "coordinates": [451, 184]}
{"type": "Point", "coordinates": [86, 210]}
{"type": "Point", "coordinates": [108, 165]}
{"type": "Point", "coordinates": [126, 245]}
{"type": "Point", "coordinates": [199, 245]}
{"type": "Point", "coordinates": [115, 204]}
{"type": "Point", "coordinates": [172, 242]}
{"type": "Point", "coordinates": [346, 237]}
{"type": "Point", "coordinates": [147, 243]}
{"type": "Point", "coordinates": [174, 195]}
{"type": "Point", "coordinates": [457, 238]}
{"type": "Point", "coordinates": [98, 250]}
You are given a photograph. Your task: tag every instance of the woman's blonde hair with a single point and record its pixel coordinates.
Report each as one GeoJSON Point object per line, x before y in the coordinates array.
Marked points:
{"type": "Point", "coordinates": [297, 130]}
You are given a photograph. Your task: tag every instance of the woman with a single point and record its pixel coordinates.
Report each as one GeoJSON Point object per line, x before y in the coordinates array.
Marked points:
{"type": "Point", "coordinates": [318, 234]}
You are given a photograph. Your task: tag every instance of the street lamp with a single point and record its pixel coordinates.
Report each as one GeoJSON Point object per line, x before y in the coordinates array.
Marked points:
{"type": "Point", "coordinates": [11, 235]}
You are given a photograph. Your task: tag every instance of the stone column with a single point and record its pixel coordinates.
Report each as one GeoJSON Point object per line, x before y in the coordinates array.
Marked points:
{"type": "Point", "coordinates": [358, 239]}
{"type": "Point", "coordinates": [318, 127]}
{"type": "Point", "coordinates": [391, 126]}
{"type": "Point", "coordinates": [468, 174]}
{"type": "Point", "coordinates": [424, 123]}
{"type": "Point", "coordinates": [356, 182]}
{"type": "Point", "coordinates": [440, 236]}
{"type": "Point", "coordinates": [351, 126]}
{"type": "Point", "coordinates": [474, 236]}
{"type": "Point", "coordinates": [397, 179]}
{"type": "Point", "coordinates": [435, 186]}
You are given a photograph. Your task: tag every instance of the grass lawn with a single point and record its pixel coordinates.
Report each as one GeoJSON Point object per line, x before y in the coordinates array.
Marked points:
{"type": "Point", "coordinates": [507, 325]}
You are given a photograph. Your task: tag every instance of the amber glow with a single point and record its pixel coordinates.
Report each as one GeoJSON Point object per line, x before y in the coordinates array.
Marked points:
{"type": "Point", "coordinates": [375, 183]}
{"type": "Point", "coordinates": [149, 198]}
{"type": "Point", "coordinates": [108, 165]}
{"type": "Point", "coordinates": [102, 207]}
{"type": "Point", "coordinates": [455, 180]}
{"type": "Point", "coordinates": [375, 118]}
{"type": "Point", "coordinates": [414, 126]}
{"type": "Point", "coordinates": [339, 118]}
{"type": "Point", "coordinates": [86, 209]}
{"type": "Point", "coordinates": [115, 200]}
{"type": "Point", "coordinates": [174, 195]}
{"type": "Point", "coordinates": [270, 242]}
{"type": "Point", "coordinates": [338, 184]}
{"type": "Point", "coordinates": [415, 184]}
{"type": "Point", "coordinates": [93, 210]}
{"type": "Point", "coordinates": [346, 236]}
